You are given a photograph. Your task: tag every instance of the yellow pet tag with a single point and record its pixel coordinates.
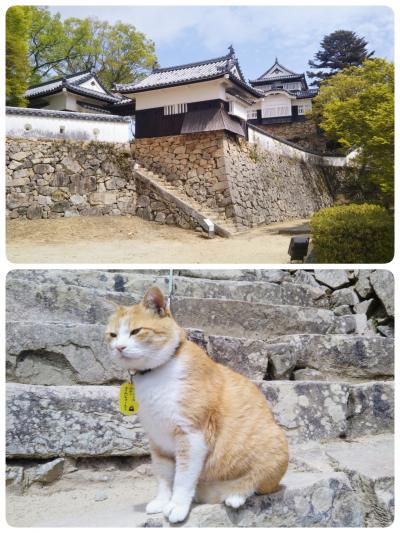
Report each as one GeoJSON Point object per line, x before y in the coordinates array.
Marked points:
{"type": "Point", "coordinates": [128, 405]}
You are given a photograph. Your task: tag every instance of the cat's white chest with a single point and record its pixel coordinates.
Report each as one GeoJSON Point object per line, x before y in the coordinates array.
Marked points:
{"type": "Point", "coordinates": [159, 394]}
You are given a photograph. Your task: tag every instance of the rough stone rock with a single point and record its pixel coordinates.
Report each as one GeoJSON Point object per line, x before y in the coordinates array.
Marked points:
{"type": "Point", "coordinates": [370, 467]}
{"type": "Point", "coordinates": [365, 307]}
{"type": "Point", "coordinates": [342, 310]}
{"type": "Point", "coordinates": [34, 212]}
{"type": "Point", "coordinates": [371, 408]}
{"type": "Point", "coordinates": [345, 296]}
{"type": "Point", "coordinates": [335, 279]}
{"type": "Point", "coordinates": [241, 319]}
{"type": "Point", "coordinates": [306, 278]}
{"type": "Point", "coordinates": [47, 472]}
{"type": "Point", "coordinates": [382, 282]}
{"type": "Point", "coordinates": [15, 477]}
{"type": "Point", "coordinates": [19, 156]}
{"type": "Point", "coordinates": [309, 374]}
{"type": "Point", "coordinates": [71, 165]}
{"type": "Point", "coordinates": [305, 500]}
{"type": "Point", "coordinates": [335, 356]}
{"type": "Point", "coordinates": [40, 353]}
{"type": "Point", "coordinates": [69, 421]}
{"type": "Point", "coordinates": [43, 169]}
{"type": "Point", "coordinates": [308, 410]}
{"type": "Point", "coordinates": [386, 331]}
{"type": "Point", "coordinates": [246, 356]}
{"type": "Point", "coordinates": [363, 285]}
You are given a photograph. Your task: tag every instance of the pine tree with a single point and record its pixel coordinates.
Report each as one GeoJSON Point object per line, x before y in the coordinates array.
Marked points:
{"type": "Point", "coordinates": [339, 50]}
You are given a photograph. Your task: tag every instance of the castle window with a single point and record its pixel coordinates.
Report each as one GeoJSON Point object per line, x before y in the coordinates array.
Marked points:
{"type": "Point", "coordinates": [251, 113]}
{"type": "Point", "coordinates": [302, 108]}
{"type": "Point", "coordinates": [175, 109]}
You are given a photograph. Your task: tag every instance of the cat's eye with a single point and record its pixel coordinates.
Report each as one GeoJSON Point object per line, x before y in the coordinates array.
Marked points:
{"type": "Point", "coordinates": [135, 331]}
{"type": "Point", "coordinates": [113, 334]}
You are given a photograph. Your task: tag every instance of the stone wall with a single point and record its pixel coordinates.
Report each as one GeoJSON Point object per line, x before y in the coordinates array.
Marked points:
{"type": "Point", "coordinates": [194, 163]}
{"type": "Point", "coordinates": [302, 133]}
{"type": "Point", "coordinates": [245, 183]}
{"type": "Point", "coordinates": [266, 187]}
{"type": "Point", "coordinates": [52, 179]}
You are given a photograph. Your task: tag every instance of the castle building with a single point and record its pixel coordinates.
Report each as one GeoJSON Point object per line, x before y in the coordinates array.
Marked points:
{"type": "Point", "coordinates": [204, 96]}
{"type": "Point", "coordinates": [287, 96]}
{"type": "Point", "coordinates": [81, 92]}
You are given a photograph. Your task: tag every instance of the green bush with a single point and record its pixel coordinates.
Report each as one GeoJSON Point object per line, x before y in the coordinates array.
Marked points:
{"type": "Point", "coordinates": [355, 233]}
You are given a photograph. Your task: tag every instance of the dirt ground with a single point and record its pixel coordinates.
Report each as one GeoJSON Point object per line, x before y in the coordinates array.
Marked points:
{"type": "Point", "coordinates": [134, 240]}
{"type": "Point", "coordinates": [107, 499]}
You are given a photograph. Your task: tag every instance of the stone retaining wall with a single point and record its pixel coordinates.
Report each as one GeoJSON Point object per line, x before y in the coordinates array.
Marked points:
{"type": "Point", "coordinates": [52, 179]}
{"type": "Point", "coordinates": [194, 163]}
{"type": "Point", "coordinates": [267, 187]}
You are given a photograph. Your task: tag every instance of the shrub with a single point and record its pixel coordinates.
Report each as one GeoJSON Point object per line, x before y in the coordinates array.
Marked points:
{"type": "Point", "coordinates": [355, 233]}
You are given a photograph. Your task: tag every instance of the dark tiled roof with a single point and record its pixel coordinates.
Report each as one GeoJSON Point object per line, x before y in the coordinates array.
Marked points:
{"type": "Point", "coordinates": [29, 111]}
{"type": "Point", "coordinates": [306, 94]}
{"type": "Point", "coordinates": [191, 73]}
{"type": "Point", "coordinates": [73, 84]}
{"type": "Point", "coordinates": [289, 74]}
{"type": "Point", "coordinates": [289, 77]}
{"type": "Point", "coordinates": [212, 119]}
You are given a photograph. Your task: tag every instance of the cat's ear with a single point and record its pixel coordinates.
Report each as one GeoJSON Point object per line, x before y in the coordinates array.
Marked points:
{"type": "Point", "coordinates": [117, 307]}
{"type": "Point", "coordinates": [155, 301]}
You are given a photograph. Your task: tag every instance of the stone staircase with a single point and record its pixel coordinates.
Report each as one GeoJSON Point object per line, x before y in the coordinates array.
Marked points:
{"type": "Point", "coordinates": [225, 227]}
{"type": "Point", "coordinates": [328, 377]}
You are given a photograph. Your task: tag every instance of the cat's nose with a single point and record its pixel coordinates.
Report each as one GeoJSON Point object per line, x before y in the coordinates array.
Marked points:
{"type": "Point", "coordinates": [121, 348]}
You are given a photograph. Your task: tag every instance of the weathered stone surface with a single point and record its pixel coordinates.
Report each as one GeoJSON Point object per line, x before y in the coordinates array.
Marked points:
{"type": "Point", "coordinates": [335, 279]}
{"type": "Point", "coordinates": [69, 421]}
{"type": "Point", "coordinates": [382, 282]}
{"type": "Point", "coordinates": [41, 353]}
{"type": "Point", "coordinates": [15, 477]}
{"type": "Point", "coordinates": [370, 467]}
{"type": "Point", "coordinates": [341, 356]}
{"type": "Point", "coordinates": [308, 410]}
{"type": "Point", "coordinates": [305, 500]}
{"type": "Point", "coordinates": [34, 212]}
{"type": "Point", "coordinates": [246, 356]}
{"type": "Point", "coordinates": [363, 285]}
{"type": "Point", "coordinates": [345, 296]}
{"type": "Point", "coordinates": [219, 317]}
{"type": "Point", "coordinates": [371, 408]}
{"type": "Point", "coordinates": [365, 307]}
{"type": "Point", "coordinates": [47, 472]}
{"type": "Point", "coordinates": [57, 170]}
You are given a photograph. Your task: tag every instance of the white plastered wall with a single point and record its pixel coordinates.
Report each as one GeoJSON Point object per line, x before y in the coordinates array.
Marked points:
{"type": "Point", "coordinates": [183, 94]}
{"type": "Point", "coordinates": [49, 127]}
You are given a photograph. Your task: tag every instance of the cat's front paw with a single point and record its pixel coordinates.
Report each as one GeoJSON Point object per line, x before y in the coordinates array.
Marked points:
{"type": "Point", "coordinates": [176, 512]}
{"type": "Point", "coordinates": [156, 506]}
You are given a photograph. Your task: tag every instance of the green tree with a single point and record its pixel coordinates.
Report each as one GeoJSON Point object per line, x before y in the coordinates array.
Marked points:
{"type": "Point", "coordinates": [18, 21]}
{"type": "Point", "coordinates": [119, 53]}
{"type": "Point", "coordinates": [339, 50]}
{"type": "Point", "coordinates": [356, 108]}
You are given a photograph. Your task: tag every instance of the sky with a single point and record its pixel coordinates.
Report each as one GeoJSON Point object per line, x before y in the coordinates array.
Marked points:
{"type": "Point", "coordinates": [184, 34]}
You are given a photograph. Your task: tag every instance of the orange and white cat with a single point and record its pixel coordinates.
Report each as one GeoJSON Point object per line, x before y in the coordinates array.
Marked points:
{"type": "Point", "coordinates": [212, 435]}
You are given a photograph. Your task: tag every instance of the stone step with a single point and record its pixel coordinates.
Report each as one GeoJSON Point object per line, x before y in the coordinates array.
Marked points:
{"type": "Point", "coordinates": [130, 282]}
{"type": "Point", "coordinates": [73, 304]}
{"type": "Point", "coordinates": [82, 420]}
{"type": "Point", "coordinates": [338, 483]}
{"type": "Point", "coordinates": [206, 212]}
{"type": "Point", "coordinates": [43, 353]}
